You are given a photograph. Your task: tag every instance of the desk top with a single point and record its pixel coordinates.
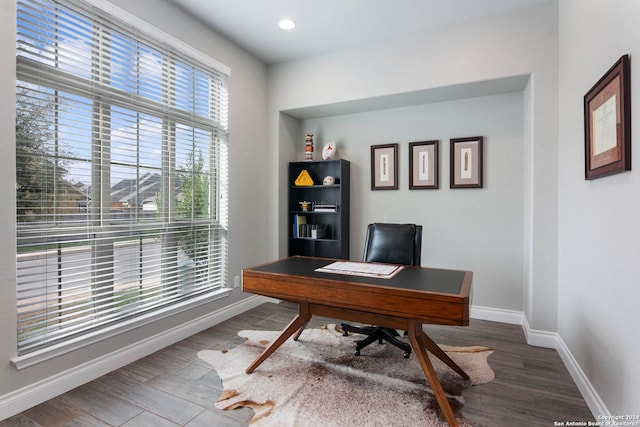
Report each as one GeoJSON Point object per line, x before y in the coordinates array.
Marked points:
{"type": "Point", "coordinates": [426, 294]}
{"type": "Point", "coordinates": [410, 278]}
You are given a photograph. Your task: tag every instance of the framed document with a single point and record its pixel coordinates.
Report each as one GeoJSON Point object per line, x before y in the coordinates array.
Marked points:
{"type": "Point", "coordinates": [423, 165]}
{"type": "Point", "coordinates": [384, 167]}
{"type": "Point", "coordinates": [466, 162]}
{"type": "Point", "coordinates": [607, 123]}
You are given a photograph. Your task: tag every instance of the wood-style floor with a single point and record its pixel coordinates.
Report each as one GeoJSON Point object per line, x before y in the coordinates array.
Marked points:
{"type": "Point", "coordinates": [174, 388]}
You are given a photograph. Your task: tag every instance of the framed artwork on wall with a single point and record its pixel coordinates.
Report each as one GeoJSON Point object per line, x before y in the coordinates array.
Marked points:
{"type": "Point", "coordinates": [466, 162]}
{"type": "Point", "coordinates": [384, 167]}
{"type": "Point", "coordinates": [423, 165]}
{"type": "Point", "coordinates": [607, 123]}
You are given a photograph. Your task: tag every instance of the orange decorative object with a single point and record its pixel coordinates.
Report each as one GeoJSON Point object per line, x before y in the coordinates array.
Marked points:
{"type": "Point", "coordinates": [304, 179]}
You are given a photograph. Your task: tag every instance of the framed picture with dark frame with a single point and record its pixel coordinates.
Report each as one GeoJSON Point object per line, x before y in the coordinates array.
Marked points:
{"type": "Point", "coordinates": [423, 165]}
{"type": "Point", "coordinates": [384, 167]}
{"type": "Point", "coordinates": [466, 162]}
{"type": "Point", "coordinates": [607, 123]}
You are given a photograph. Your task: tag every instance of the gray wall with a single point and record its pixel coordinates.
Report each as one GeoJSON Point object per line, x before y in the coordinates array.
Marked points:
{"type": "Point", "coordinates": [461, 61]}
{"type": "Point", "coordinates": [599, 296]}
{"type": "Point", "coordinates": [476, 229]}
{"type": "Point", "coordinates": [247, 150]}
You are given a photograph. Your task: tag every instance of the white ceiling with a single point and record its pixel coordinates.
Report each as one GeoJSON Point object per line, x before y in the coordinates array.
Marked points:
{"type": "Point", "coordinates": [325, 25]}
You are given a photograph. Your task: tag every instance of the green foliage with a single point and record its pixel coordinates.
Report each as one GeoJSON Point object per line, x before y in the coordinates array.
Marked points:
{"type": "Point", "coordinates": [39, 173]}
{"type": "Point", "coordinates": [194, 179]}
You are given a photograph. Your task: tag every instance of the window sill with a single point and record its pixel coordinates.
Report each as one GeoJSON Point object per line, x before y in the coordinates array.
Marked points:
{"type": "Point", "coordinates": [39, 356]}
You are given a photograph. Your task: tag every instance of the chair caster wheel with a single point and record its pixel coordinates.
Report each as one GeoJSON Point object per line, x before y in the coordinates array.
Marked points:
{"type": "Point", "coordinates": [357, 353]}
{"type": "Point", "coordinates": [406, 355]}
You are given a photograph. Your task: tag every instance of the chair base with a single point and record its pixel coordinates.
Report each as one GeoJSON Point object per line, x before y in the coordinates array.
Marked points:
{"type": "Point", "coordinates": [375, 333]}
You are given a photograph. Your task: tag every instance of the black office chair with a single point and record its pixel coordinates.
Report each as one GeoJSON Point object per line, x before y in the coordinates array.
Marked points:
{"type": "Point", "coordinates": [391, 244]}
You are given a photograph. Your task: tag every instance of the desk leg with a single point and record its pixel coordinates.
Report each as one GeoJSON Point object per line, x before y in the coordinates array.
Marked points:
{"type": "Point", "coordinates": [297, 335]}
{"type": "Point", "coordinates": [438, 352]}
{"type": "Point", "coordinates": [303, 317]}
{"type": "Point", "coordinates": [415, 331]}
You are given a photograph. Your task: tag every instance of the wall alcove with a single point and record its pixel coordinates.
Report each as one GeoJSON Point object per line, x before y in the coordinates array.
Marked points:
{"type": "Point", "coordinates": [484, 230]}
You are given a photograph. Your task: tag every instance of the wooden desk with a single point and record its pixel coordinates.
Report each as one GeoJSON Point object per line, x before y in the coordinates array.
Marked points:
{"type": "Point", "coordinates": [414, 296]}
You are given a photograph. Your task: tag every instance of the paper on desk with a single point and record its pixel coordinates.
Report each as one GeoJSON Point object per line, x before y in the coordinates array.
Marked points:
{"type": "Point", "coordinates": [366, 269]}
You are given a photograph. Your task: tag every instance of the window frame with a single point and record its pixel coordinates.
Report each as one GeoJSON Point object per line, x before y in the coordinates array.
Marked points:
{"type": "Point", "coordinates": [218, 194]}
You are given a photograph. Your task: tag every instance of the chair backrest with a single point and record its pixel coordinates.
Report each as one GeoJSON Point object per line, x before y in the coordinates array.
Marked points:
{"type": "Point", "coordinates": [393, 243]}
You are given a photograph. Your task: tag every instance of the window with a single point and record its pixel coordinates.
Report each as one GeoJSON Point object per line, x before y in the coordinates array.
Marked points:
{"type": "Point", "coordinates": [121, 187]}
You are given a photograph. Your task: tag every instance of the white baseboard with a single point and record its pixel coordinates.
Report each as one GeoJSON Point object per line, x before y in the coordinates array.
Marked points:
{"type": "Point", "coordinates": [20, 400]}
{"type": "Point", "coordinates": [595, 404]}
{"type": "Point", "coordinates": [534, 337]}
{"type": "Point", "coordinates": [539, 338]}
{"type": "Point", "coordinates": [547, 339]}
{"type": "Point", "coordinates": [510, 317]}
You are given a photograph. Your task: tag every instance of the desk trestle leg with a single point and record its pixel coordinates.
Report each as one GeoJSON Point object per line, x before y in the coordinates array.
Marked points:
{"type": "Point", "coordinates": [297, 324]}
{"type": "Point", "coordinates": [420, 343]}
{"type": "Point", "coordinates": [439, 353]}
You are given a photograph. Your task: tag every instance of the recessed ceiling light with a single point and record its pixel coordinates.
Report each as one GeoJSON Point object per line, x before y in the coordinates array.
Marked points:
{"type": "Point", "coordinates": [286, 24]}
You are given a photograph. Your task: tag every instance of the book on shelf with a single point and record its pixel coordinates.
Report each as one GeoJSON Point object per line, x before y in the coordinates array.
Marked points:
{"type": "Point", "coordinates": [309, 231]}
{"type": "Point", "coordinates": [299, 222]}
{"type": "Point", "coordinates": [318, 231]}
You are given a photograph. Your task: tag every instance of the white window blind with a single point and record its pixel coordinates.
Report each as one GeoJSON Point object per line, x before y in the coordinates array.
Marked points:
{"type": "Point", "coordinates": [121, 187]}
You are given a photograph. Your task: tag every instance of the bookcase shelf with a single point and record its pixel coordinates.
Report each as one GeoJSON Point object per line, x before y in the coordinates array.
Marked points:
{"type": "Point", "coordinates": [331, 227]}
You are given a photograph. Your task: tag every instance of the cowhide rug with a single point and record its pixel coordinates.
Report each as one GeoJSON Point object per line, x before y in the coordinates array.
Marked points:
{"type": "Point", "coordinates": [317, 381]}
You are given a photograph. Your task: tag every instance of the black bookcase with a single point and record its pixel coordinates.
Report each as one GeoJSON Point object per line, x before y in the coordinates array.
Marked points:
{"type": "Point", "coordinates": [323, 229]}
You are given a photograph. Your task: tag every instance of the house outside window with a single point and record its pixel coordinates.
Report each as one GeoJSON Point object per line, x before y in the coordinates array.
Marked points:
{"type": "Point", "coordinates": [121, 186]}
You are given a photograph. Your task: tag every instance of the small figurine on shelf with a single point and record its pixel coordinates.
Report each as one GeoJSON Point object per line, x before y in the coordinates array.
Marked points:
{"type": "Point", "coordinates": [305, 205]}
{"type": "Point", "coordinates": [308, 146]}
